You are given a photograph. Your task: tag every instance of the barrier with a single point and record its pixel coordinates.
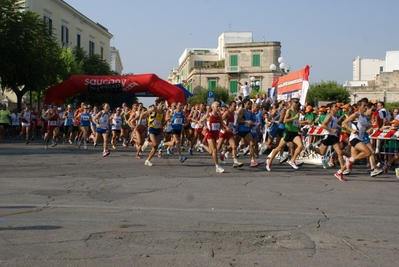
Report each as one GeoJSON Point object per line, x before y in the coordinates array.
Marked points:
{"type": "Point", "coordinates": [314, 135]}
{"type": "Point", "coordinates": [386, 141]}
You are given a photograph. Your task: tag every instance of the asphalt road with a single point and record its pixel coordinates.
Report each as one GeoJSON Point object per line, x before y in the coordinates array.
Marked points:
{"type": "Point", "coordinates": [71, 207]}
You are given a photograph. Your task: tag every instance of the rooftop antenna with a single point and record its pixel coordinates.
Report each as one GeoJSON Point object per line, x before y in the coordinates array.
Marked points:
{"type": "Point", "coordinates": [230, 27]}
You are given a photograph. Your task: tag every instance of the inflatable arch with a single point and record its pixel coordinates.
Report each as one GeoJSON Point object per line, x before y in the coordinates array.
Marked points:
{"type": "Point", "coordinates": [114, 84]}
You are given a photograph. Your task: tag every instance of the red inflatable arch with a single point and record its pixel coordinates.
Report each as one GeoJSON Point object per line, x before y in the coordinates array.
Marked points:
{"type": "Point", "coordinates": [117, 84]}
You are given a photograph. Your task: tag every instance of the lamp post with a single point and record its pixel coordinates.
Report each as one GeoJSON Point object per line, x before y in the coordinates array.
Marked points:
{"type": "Point", "coordinates": [282, 68]}
{"type": "Point", "coordinates": [255, 85]}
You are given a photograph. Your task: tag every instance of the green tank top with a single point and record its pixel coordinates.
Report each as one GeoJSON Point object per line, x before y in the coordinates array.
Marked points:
{"type": "Point", "coordinates": [292, 126]}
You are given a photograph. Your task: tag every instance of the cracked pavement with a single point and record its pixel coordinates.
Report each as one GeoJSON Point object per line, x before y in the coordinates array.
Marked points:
{"type": "Point", "coordinates": [71, 207]}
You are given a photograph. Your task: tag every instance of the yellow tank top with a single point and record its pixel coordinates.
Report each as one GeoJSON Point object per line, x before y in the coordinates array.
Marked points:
{"type": "Point", "coordinates": [155, 121]}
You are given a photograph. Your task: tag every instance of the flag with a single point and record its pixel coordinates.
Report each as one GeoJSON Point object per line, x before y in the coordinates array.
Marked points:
{"type": "Point", "coordinates": [294, 85]}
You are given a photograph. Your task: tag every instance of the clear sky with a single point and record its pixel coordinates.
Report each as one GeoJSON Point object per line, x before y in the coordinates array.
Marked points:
{"type": "Point", "coordinates": [151, 35]}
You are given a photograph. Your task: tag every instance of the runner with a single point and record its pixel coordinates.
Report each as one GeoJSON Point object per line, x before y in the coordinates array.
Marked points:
{"type": "Point", "coordinates": [5, 116]}
{"type": "Point", "coordinates": [228, 118]}
{"type": "Point", "coordinates": [26, 122]}
{"type": "Point", "coordinates": [330, 123]}
{"type": "Point", "coordinates": [291, 135]}
{"type": "Point", "coordinates": [156, 120]}
{"type": "Point", "coordinates": [52, 126]}
{"type": "Point", "coordinates": [360, 150]}
{"type": "Point", "coordinates": [102, 120]}
{"type": "Point", "coordinates": [214, 124]}
{"type": "Point", "coordinates": [177, 120]}
{"type": "Point", "coordinates": [245, 123]}
{"type": "Point", "coordinates": [116, 126]}
{"type": "Point", "coordinates": [85, 121]}
{"type": "Point", "coordinates": [140, 133]}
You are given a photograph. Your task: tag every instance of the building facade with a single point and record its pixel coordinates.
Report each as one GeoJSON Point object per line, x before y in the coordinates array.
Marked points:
{"type": "Point", "coordinates": [237, 59]}
{"type": "Point", "coordinates": [73, 29]}
{"type": "Point", "coordinates": [375, 78]}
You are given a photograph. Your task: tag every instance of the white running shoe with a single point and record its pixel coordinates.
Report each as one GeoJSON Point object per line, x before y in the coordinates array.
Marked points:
{"type": "Point", "coordinates": [293, 164]}
{"type": "Point", "coordinates": [219, 169]}
{"type": "Point", "coordinates": [147, 163]}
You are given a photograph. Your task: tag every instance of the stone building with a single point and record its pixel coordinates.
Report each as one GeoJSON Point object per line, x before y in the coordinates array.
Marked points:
{"type": "Point", "coordinates": [237, 59]}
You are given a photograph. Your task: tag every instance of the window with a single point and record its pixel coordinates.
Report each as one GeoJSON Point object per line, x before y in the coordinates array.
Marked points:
{"type": "Point", "coordinates": [381, 69]}
{"type": "Point", "coordinates": [234, 63]}
{"type": "Point", "coordinates": [233, 87]}
{"type": "Point", "coordinates": [49, 23]}
{"type": "Point", "coordinates": [198, 63]}
{"type": "Point", "coordinates": [64, 36]}
{"type": "Point", "coordinates": [102, 52]}
{"type": "Point", "coordinates": [91, 48]}
{"type": "Point", "coordinates": [78, 40]}
{"type": "Point", "coordinates": [256, 60]}
{"type": "Point", "coordinates": [211, 84]}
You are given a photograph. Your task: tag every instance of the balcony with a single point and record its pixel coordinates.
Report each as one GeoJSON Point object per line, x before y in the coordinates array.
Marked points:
{"type": "Point", "coordinates": [233, 69]}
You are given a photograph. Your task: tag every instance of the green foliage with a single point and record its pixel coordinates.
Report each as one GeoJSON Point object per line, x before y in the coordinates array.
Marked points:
{"type": "Point", "coordinates": [391, 106]}
{"type": "Point", "coordinates": [29, 56]}
{"type": "Point", "coordinates": [327, 91]}
{"type": "Point", "coordinates": [221, 94]}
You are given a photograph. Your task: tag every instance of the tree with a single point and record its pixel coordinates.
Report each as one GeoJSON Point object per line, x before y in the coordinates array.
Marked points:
{"type": "Point", "coordinates": [327, 91]}
{"type": "Point", "coordinates": [29, 56]}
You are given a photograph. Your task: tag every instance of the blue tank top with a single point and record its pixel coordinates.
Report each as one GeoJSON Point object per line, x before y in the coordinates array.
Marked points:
{"type": "Point", "coordinates": [242, 126]}
{"type": "Point", "coordinates": [84, 119]}
{"type": "Point", "coordinates": [177, 120]}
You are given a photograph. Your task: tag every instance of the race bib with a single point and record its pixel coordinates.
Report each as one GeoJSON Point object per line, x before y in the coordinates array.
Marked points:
{"type": "Point", "coordinates": [215, 126]}
{"type": "Point", "coordinates": [295, 123]}
{"type": "Point", "coordinates": [53, 123]}
{"type": "Point", "coordinates": [178, 121]}
{"type": "Point", "coordinates": [157, 123]}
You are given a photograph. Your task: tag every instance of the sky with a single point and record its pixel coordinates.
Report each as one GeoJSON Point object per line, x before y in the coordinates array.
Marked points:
{"type": "Point", "coordinates": [327, 35]}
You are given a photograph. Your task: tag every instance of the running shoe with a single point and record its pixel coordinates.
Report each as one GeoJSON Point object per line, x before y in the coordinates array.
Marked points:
{"type": "Point", "coordinates": [53, 144]}
{"type": "Point", "coordinates": [386, 167]}
{"type": "Point", "coordinates": [145, 145]}
{"type": "Point", "coordinates": [45, 147]}
{"type": "Point", "coordinates": [106, 153]}
{"type": "Point", "coordinates": [159, 153]}
{"type": "Point", "coordinates": [183, 159]}
{"type": "Point", "coordinates": [299, 164]}
{"type": "Point", "coordinates": [345, 172]}
{"type": "Point", "coordinates": [259, 160]}
{"type": "Point", "coordinates": [85, 145]}
{"type": "Point", "coordinates": [190, 151]}
{"type": "Point", "coordinates": [70, 142]}
{"type": "Point", "coordinates": [169, 150]}
{"type": "Point", "coordinates": [226, 155]}
{"type": "Point", "coordinates": [324, 163]}
{"type": "Point", "coordinates": [95, 144]}
{"type": "Point", "coordinates": [79, 143]}
{"type": "Point", "coordinates": [376, 172]}
{"type": "Point", "coordinates": [254, 163]}
{"type": "Point", "coordinates": [26, 142]}
{"type": "Point", "coordinates": [238, 164]}
{"type": "Point", "coordinates": [219, 169]}
{"type": "Point", "coordinates": [161, 145]}
{"type": "Point", "coordinates": [201, 148]}
{"type": "Point", "coordinates": [262, 149]}
{"type": "Point", "coordinates": [147, 163]}
{"type": "Point", "coordinates": [246, 151]}
{"type": "Point", "coordinates": [349, 165]}
{"type": "Point", "coordinates": [283, 159]}
{"type": "Point", "coordinates": [126, 144]}
{"type": "Point", "coordinates": [331, 163]}
{"type": "Point", "coordinates": [340, 176]}
{"type": "Point", "coordinates": [221, 156]}
{"type": "Point", "coordinates": [268, 165]}
{"type": "Point", "coordinates": [138, 156]}
{"type": "Point", "coordinates": [292, 164]}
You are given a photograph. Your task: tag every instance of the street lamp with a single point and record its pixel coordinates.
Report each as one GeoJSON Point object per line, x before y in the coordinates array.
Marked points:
{"type": "Point", "coordinates": [282, 68]}
{"type": "Point", "coordinates": [255, 85]}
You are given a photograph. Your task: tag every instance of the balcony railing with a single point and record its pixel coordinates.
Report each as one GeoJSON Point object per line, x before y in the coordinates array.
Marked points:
{"type": "Point", "coordinates": [233, 69]}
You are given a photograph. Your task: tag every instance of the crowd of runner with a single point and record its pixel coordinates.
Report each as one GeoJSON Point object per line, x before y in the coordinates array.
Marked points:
{"type": "Point", "coordinates": [241, 127]}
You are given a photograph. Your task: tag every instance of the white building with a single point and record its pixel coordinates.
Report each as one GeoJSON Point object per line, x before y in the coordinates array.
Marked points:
{"type": "Point", "coordinates": [365, 70]}
{"type": "Point", "coordinates": [115, 60]}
